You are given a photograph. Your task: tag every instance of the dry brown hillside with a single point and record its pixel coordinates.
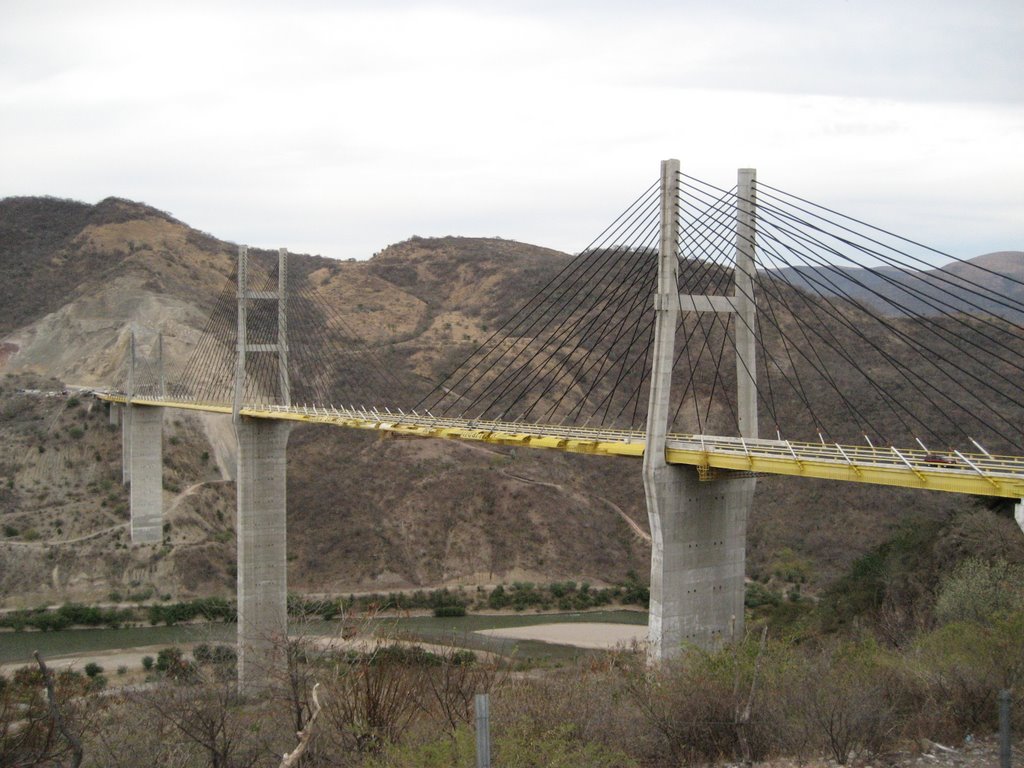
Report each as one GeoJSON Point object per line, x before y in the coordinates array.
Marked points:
{"type": "Point", "coordinates": [364, 513]}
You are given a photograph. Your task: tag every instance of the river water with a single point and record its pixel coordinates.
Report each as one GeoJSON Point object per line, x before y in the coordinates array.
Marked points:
{"type": "Point", "coordinates": [461, 631]}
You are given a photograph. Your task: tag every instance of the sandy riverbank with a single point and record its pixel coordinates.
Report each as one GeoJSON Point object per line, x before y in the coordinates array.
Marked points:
{"type": "Point", "coordinates": [583, 635]}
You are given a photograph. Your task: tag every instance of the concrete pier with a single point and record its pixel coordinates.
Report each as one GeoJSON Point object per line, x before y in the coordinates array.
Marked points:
{"type": "Point", "coordinates": [698, 537]}
{"type": "Point", "coordinates": [262, 565]}
{"type": "Point", "coordinates": [698, 527]}
{"type": "Point", "coordinates": [144, 443]}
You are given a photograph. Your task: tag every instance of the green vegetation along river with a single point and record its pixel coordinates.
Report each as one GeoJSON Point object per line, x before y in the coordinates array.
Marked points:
{"type": "Point", "coordinates": [18, 646]}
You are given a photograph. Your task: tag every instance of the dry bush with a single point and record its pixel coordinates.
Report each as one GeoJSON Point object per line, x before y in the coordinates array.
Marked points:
{"type": "Point", "coordinates": [963, 666]}
{"type": "Point", "coordinates": [843, 699]}
{"type": "Point", "coordinates": [978, 590]}
{"type": "Point", "coordinates": [371, 699]}
{"type": "Point", "coordinates": [709, 706]}
{"type": "Point", "coordinates": [449, 687]}
{"type": "Point", "coordinates": [587, 701]}
{"type": "Point", "coordinates": [211, 718]}
{"type": "Point", "coordinates": [127, 735]}
{"type": "Point", "coordinates": [29, 731]}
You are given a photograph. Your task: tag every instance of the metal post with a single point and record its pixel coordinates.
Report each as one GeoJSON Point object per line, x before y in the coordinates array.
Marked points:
{"type": "Point", "coordinates": [746, 310]}
{"type": "Point", "coordinates": [282, 326]}
{"type": "Point", "coordinates": [483, 730]}
{"type": "Point", "coordinates": [1004, 729]}
{"type": "Point", "coordinates": [243, 268]}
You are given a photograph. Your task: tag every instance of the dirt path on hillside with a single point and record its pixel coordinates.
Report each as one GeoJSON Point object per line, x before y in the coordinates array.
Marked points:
{"type": "Point", "coordinates": [54, 542]}
{"type": "Point", "coordinates": [190, 491]}
{"type": "Point", "coordinates": [633, 525]}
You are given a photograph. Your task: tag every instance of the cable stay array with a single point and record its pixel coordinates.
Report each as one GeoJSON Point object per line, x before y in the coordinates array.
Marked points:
{"type": "Point", "coordinates": [877, 358]}
{"type": "Point", "coordinates": [327, 361]}
{"type": "Point", "coordinates": [859, 338]}
{"type": "Point", "coordinates": [862, 339]}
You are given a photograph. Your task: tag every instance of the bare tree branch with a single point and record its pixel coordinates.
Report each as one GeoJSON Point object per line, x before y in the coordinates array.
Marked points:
{"type": "Point", "coordinates": [291, 759]}
{"type": "Point", "coordinates": [51, 695]}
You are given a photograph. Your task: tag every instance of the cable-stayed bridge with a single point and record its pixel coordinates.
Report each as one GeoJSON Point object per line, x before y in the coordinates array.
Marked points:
{"type": "Point", "coordinates": [715, 334]}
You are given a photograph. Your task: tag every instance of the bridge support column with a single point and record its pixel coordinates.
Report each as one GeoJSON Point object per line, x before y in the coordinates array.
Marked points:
{"type": "Point", "coordinates": [698, 529]}
{"type": "Point", "coordinates": [1018, 514]}
{"type": "Point", "coordinates": [115, 414]}
{"type": "Point", "coordinates": [144, 430]}
{"type": "Point", "coordinates": [698, 558]}
{"type": "Point", "coordinates": [262, 564]}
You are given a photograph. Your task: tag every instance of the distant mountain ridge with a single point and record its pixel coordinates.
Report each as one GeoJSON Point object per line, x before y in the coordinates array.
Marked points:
{"type": "Point", "coordinates": [897, 292]}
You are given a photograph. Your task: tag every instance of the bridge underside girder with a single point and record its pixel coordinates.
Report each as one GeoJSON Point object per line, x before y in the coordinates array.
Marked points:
{"type": "Point", "coordinates": [984, 475]}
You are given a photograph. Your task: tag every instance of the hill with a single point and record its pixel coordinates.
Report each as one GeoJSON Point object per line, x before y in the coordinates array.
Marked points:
{"type": "Point", "coordinates": [894, 292]}
{"type": "Point", "coordinates": [364, 513]}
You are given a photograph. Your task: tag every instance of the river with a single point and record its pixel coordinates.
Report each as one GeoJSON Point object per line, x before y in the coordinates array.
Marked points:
{"type": "Point", "coordinates": [461, 631]}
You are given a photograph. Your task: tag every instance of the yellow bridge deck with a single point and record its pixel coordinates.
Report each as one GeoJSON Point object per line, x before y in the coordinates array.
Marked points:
{"type": "Point", "coordinates": [981, 474]}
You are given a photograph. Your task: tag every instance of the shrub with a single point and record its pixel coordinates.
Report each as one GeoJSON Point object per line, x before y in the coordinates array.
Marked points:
{"type": "Point", "coordinates": [449, 611]}
{"type": "Point", "coordinates": [168, 658]}
{"type": "Point", "coordinates": [977, 591]}
{"type": "Point", "coordinates": [92, 669]}
{"type": "Point", "coordinates": [758, 595]}
{"type": "Point", "coordinates": [170, 663]}
{"type": "Point", "coordinates": [555, 748]}
{"type": "Point", "coordinates": [704, 706]}
{"type": "Point", "coordinates": [965, 664]}
{"type": "Point", "coordinates": [843, 700]}
{"type": "Point", "coordinates": [498, 599]}
{"type": "Point", "coordinates": [223, 654]}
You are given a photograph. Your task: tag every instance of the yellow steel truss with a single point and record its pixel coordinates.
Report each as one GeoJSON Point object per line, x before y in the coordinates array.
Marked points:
{"type": "Point", "coordinates": [952, 471]}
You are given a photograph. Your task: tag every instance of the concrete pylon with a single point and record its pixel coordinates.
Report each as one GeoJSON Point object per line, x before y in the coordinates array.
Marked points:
{"type": "Point", "coordinates": [142, 464]}
{"type": "Point", "coordinates": [698, 528]}
{"type": "Point", "coordinates": [145, 430]}
{"type": "Point", "coordinates": [262, 548]}
{"type": "Point", "coordinates": [262, 502]}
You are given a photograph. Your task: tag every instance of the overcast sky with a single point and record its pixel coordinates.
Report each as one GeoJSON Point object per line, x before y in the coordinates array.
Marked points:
{"type": "Point", "coordinates": [340, 127]}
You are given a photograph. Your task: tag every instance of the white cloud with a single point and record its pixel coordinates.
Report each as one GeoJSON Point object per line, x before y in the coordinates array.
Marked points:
{"type": "Point", "coordinates": [339, 127]}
